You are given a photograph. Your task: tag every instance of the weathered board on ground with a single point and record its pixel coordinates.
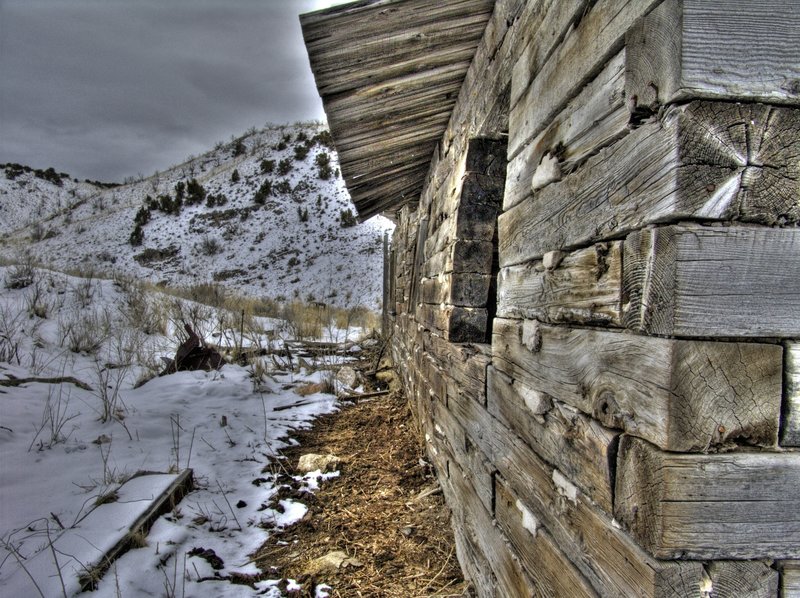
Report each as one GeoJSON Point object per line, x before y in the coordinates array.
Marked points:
{"type": "Point", "coordinates": [688, 395]}
{"type": "Point", "coordinates": [713, 281]}
{"type": "Point", "coordinates": [742, 51]}
{"type": "Point", "coordinates": [725, 506]}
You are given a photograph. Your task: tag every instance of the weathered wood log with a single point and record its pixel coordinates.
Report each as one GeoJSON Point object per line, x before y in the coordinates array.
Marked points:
{"type": "Point", "coordinates": [469, 458]}
{"type": "Point", "coordinates": [790, 425]}
{"type": "Point", "coordinates": [701, 160]}
{"type": "Point", "coordinates": [467, 289]}
{"type": "Point", "coordinates": [582, 449]}
{"type": "Point", "coordinates": [465, 363]}
{"type": "Point", "coordinates": [726, 506]}
{"type": "Point", "coordinates": [727, 50]}
{"type": "Point", "coordinates": [593, 119]}
{"type": "Point", "coordinates": [680, 395]}
{"type": "Point", "coordinates": [552, 572]}
{"type": "Point", "coordinates": [742, 579]}
{"type": "Point", "coordinates": [456, 324]}
{"type": "Point", "coordinates": [790, 578]}
{"type": "Point", "coordinates": [711, 281]}
{"type": "Point", "coordinates": [461, 256]}
{"type": "Point", "coordinates": [580, 287]}
{"type": "Point", "coordinates": [583, 53]}
{"type": "Point", "coordinates": [605, 555]}
{"type": "Point", "coordinates": [473, 524]}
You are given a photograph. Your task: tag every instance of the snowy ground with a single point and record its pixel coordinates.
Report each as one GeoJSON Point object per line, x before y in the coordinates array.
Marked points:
{"type": "Point", "coordinates": [63, 446]}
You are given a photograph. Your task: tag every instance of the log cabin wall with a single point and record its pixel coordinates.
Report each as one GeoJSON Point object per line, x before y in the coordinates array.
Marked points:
{"type": "Point", "coordinates": [612, 405]}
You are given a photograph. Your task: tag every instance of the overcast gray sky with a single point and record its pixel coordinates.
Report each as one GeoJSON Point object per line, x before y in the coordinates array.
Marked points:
{"type": "Point", "coordinates": [106, 89]}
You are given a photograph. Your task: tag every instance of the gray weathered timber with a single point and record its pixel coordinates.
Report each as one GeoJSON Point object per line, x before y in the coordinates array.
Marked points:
{"type": "Point", "coordinates": [469, 458]}
{"type": "Point", "coordinates": [742, 51]}
{"type": "Point", "coordinates": [604, 554]}
{"type": "Point", "coordinates": [464, 363]}
{"type": "Point", "coordinates": [725, 506]}
{"type": "Point", "coordinates": [581, 287]}
{"type": "Point", "coordinates": [456, 324]}
{"type": "Point", "coordinates": [582, 449]}
{"type": "Point", "coordinates": [475, 526]}
{"type": "Point", "coordinates": [389, 75]}
{"type": "Point", "coordinates": [743, 579]}
{"type": "Point", "coordinates": [551, 571]}
{"type": "Point", "coordinates": [680, 395]}
{"type": "Point", "coordinates": [593, 119]}
{"type": "Point", "coordinates": [790, 578]}
{"type": "Point", "coordinates": [461, 256]}
{"type": "Point", "coordinates": [583, 53]}
{"type": "Point", "coordinates": [713, 281]}
{"type": "Point", "coordinates": [465, 289]}
{"type": "Point", "coordinates": [790, 426]}
{"type": "Point", "coordinates": [706, 160]}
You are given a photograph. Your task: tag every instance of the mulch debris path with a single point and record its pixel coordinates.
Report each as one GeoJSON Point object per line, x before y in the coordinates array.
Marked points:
{"type": "Point", "coordinates": [382, 522]}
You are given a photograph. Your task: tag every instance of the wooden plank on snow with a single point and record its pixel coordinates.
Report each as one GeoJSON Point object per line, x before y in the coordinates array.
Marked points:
{"type": "Point", "coordinates": [723, 506]}
{"type": "Point", "coordinates": [691, 280]}
{"type": "Point", "coordinates": [681, 395]}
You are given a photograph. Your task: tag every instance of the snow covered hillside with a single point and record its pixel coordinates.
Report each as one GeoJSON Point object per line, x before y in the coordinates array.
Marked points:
{"type": "Point", "coordinates": [83, 420]}
{"type": "Point", "coordinates": [266, 215]}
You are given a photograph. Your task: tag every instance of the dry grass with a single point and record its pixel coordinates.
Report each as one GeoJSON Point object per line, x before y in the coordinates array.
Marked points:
{"type": "Point", "coordinates": [371, 511]}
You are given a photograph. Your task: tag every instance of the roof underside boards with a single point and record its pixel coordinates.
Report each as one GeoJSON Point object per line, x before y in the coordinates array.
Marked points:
{"type": "Point", "coordinates": [389, 73]}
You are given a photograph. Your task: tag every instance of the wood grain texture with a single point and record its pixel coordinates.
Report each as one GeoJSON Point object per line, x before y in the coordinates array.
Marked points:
{"type": "Point", "coordinates": [597, 37]}
{"type": "Point", "coordinates": [790, 426]}
{"type": "Point", "coordinates": [465, 289]}
{"type": "Point", "coordinates": [578, 446]}
{"type": "Point", "coordinates": [680, 395]}
{"type": "Point", "coordinates": [389, 74]}
{"type": "Point", "coordinates": [551, 571]}
{"type": "Point", "coordinates": [702, 160]}
{"type": "Point", "coordinates": [593, 119]}
{"type": "Point", "coordinates": [713, 281]}
{"type": "Point", "coordinates": [584, 286]}
{"type": "Point", "coordinates": [726, 50]}
{"type": "Point", "coordinates": [455, 324]}
{"type": "Point", "coordinates": [742, 579]}
{"type": "Point", "coordinates": [482, 540]}
{"type": "Point", "coordinates": [604, 554]}
{"type": "Point", "coordinates": [790, 578]}
{"type": "Point", "coordinates": [726, 506]}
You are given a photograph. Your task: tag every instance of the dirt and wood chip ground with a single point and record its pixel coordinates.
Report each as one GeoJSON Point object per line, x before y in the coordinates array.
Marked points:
{"type": "Point", "coordinates": [379, 529]}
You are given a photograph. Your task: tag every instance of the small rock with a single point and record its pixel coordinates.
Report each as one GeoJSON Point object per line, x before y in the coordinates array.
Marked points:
{"type": "Point", "coordinates": [330, 563]}
{"type": "Point", "coordinates": [241, 504]}
{"type": "Point", "coordinates": [313, 462]}
{"type": "Point", "coordinates": [347, 376]}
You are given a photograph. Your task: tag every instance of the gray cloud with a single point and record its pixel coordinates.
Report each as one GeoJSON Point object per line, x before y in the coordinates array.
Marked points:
{"type": "Point", "coordinates": [105, 89]}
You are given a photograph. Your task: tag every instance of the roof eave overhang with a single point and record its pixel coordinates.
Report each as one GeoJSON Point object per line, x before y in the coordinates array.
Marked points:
{"type": "Point", "coordinates": [389, 73]}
